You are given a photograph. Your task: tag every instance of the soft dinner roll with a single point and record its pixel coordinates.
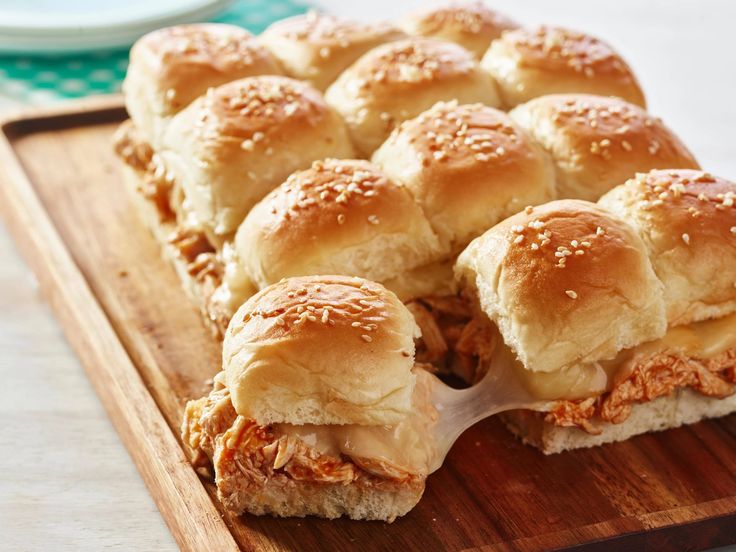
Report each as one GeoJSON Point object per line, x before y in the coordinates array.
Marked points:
{"type": "Point", "coordinates": [472, 25]}
{"type": "Point", "coordinates": [598, 143]}
{"type": "Point", "coordinates": [317, 47]}
{"type": "Point", "coordinates": [230, 147]}
{"type": "Point", "coordinates": [469, 167]}
{"type": "Point", "coordinates": [566, 282]}
{"type": "Point", "coordinates": [527, 63]}
{"type": "Point", "coordinates": [171, 67]}
{"type": "Point", "coordinates": [337, 217]}
{"type": "Point", "coordinates": [302, 333]}
{"type": "Point", "coordinates": [399, 80]}
{"type": "Point", "coordinates": [687, 220]}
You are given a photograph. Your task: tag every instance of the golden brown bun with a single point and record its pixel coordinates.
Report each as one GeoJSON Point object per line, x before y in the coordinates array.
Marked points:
{"type": "Point", "coordinates": [472, 25]}
{"type": "Point", "coordinates": [598, 142]}
{"type": "Point", "coordinates": [321, 350]}
{"type": "Point", "coordinates": [566, 282]}
{"type": "Point", "coordinates": [527, 63]}
{"type": "Point", "coordinates": [687, 220]}
{"type": "Point", "coordinates": [399, 80]}
{"type": "Point", "coordinates": [232, 146]}
{"type": "Point", "coordinates": [469, 167]}
{"type": "Point", "coordinates": [317, 47]}
{"type": "Point", "coordinates": [337, 217]}
{"type": "Point", "coordinates": [171, 67]}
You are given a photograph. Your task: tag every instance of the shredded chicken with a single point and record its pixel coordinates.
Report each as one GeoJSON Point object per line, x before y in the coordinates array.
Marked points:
{"type": "Point", "coordinates": [654, 377]}
{"type": "Point", "coordinates": [465, 345]}
{"type": "Point", "coordinates": [246, 456]}
{"type": "Point", "coordinates": [442, 321]}
{"type": "Point", "coordinates": [203, 262]}
{"type": "Point", "coordinates": [131, 148]}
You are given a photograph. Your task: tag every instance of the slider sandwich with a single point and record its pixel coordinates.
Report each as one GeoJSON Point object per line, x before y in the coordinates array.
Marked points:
{"type": "Point", "coordinates": [471, 24]}
{"type": "Point", "coordinates": [217, 158]}
{"type": "Point", "coordinates": [320, 408]}
{"type": "Point", "coordinates": [621, 314]}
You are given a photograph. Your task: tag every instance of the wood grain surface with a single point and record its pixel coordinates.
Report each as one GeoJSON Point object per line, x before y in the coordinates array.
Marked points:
{"type": "Point", "coordinates": [147, 352]}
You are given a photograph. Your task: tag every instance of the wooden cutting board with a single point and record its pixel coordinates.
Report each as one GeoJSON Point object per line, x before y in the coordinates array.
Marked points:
{"type": "Point", "coordinates": [147, 352]}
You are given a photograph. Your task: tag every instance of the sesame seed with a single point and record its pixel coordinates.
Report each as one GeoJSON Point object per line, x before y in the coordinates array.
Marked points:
{"type": "Point", "coordinates": [356, 324]}
{"type": "Point", "coordinates": [366, 338]}
{"type": "Point", "coordinates": [733, 229]}
{"type": "Point", "coordinates": [519, 238]}
{"type": "Point", "coordinates": [580, 252]}
{"type": "Point", "coordinates": [599, 231]}
{"type": "Point", "coordinates": [571, 294]}
{"type": "Point", "coordinates": [280, 321]}
{"type": "Point", "coordinates": [528, 210]}
{"type": "Point", "coordinates": [686, 238]}
{"type": "Point", "coordinates": [340, 219]}
{"type": "Point", "coordinates": [535, 246]}
{"type": "Point", "coordinates": [517, 229]}
{"type": "Point", "coordinates": [373, 219]}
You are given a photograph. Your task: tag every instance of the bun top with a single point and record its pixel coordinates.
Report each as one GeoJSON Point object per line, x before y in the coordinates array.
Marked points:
{"type": "Point", "coordinates": [566, 282]}
{"type": "Point", "coordinates": [318, 47]}
{"type": "Point", "coordinates": [687, 220]}
{"type": "Point", "coordinates": [232, 146]}
{"type": "Point", "coordinates": [472, 25]}
{"type": "Point", "coordinates": [599, 142]}
{"type": "Point", "coordinates": [337, 217]}
{"type": "Point", "coordinates": [171, 67]}
{"type": "Point", "coordinates": [468, 166]}
{"type": "Point", "coordinates": [321, 350]}
{"type": "Point", "coordinates": [528, 63]}
{"type": "Point", "coordinates": [399, 80]}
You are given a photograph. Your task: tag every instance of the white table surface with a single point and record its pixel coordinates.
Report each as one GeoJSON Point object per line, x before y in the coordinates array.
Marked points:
{"type": "Point", "coordinates": [67, 483]}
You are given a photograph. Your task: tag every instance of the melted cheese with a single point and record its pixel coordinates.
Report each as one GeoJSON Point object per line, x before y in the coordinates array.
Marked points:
{"type": "Point", "coordinates": [701, 340]}
{"type": "Point", "coordinates": [407, 446]}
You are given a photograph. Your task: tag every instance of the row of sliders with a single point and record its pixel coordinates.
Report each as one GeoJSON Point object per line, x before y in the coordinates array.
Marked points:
{"type": "Point", "coordinates": [590, 322]}
{"type": "Point", "coordinates": [231, 158]}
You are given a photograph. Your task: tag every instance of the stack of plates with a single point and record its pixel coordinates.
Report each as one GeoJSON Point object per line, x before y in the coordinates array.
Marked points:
{"type": "Point", "coordinates": [53, 27]}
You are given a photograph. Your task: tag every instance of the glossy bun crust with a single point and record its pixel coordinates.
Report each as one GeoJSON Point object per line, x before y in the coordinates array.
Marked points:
{"type": "Point", "coordinates": [598, 143]}
{"type": "Point", "coordinates": [687, 220]}
{"type": "Point", "coordinates": [472, 25]}
{"type": "Point", "coordinates": [317, 47]}
{"type": "Point", "coordinates": [527, 63]}
{"type": "Point", "coordinates": [399, 80]}
{"type": "Point", "coordinates": [468, 166]}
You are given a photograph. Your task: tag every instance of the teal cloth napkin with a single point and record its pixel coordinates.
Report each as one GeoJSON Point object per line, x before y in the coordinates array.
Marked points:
{"type": "Point", "coordinates": [39, 80]}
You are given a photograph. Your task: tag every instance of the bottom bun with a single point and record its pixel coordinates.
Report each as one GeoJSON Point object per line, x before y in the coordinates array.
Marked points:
{"type": "Point", "coordinates": [683, 406]}
{"type": "Point", "coordinates": [289, 498]}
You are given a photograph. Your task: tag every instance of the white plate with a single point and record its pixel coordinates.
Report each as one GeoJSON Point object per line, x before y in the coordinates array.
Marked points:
{"type": "Point", "coordinates": [57, 27]}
